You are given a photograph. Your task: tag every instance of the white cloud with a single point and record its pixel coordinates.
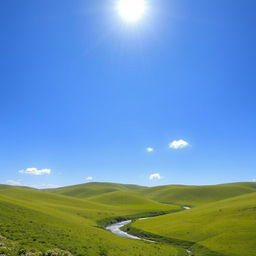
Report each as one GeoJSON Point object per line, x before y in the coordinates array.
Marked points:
{"type": "Point", "coordinates": [253, 180]}
{"type": "Point", "coordinates": [14, 182]}
{"type": "Point", "coordinates": [149, 149]}
{"type": "Point", "coordinates": [35, 171]}
{"type": "Point", "coordinates": [89, 178]}
{"type": "Point", "coordinates": [177, 144]}
{"type": "Point", "coordinates": [155, 176]}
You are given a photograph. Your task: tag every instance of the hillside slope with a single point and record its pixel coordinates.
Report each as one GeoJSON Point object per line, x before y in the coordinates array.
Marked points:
{"type": "Point", "coordinates": [39, 221]}
{"type": "Point", "coordinates": [197, 195]}
{"type": "Point", "coordinates": [227, 226]}
{"type": "Point", "coordinates": [68, 219]}
{"type": "Point", "coordinates": [169, 194]}
{"type": "Point", "coordinates": [130, 199]}
{"type": "Point", "coordinates": [94, 188]}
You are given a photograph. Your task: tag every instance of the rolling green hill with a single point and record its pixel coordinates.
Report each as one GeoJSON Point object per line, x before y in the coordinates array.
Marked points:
{"type": "Point", "coordinates": [94, 188]}
{"type": "Point", "coordinates": [169, 194]}
{"type": "Point", "coordinates": [68, 221]}
{"type": "Point", "coordinates": [227, 226]}
{"type": "Point", "coordinates": [39, 221]}
{"type": "Point", "coordinates": [197, 195]}
{"type": "Point", "coordinates": [122, 198]}
{"type": "Point", "coordinates": [129, 199]}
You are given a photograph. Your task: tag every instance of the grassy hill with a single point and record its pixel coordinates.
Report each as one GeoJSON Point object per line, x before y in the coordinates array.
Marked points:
{"type": "Point", "coordinates": [169, 194]}
{"type": "Point", "coordinates": [130, 199]}
{"type": "Point", "coordinates": [39, 221]}
{"type": "Point", "coordinates": [227, 226]}
{"type": "Point", "coordinates": [67, 220]}
{"type": "Point", "coordinates": [94, 188]}
{"type": "Point", "coordinates": [197, 195]}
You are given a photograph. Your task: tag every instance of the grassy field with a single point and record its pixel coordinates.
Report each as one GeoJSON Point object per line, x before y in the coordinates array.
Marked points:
{"type": "Point", "coordinates": [169, 194]}
{"type": "Point", "coordinates": [39, 221]}
{"type": "Point", "coordinates": [94, 188]}
{"type": "Point", "coordinates": [197, 195]}
{"type": "Point", "coordinates": [227, 226]}
{"type": "Point", "coordinates": [69, 220]}
{"type": "Point", "coordinates": [127, 199]}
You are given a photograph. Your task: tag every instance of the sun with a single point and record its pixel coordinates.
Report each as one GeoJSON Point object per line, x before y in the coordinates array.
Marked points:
{"type": "Point", "coordinates": [131, 10]}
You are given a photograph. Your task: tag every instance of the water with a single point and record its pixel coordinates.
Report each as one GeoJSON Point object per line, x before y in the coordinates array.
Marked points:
{"type": "Point", "coordinates": [115, 229]}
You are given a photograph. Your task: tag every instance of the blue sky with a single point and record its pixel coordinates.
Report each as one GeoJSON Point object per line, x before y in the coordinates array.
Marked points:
{"type": "Point", "coordinates": [84, 93]}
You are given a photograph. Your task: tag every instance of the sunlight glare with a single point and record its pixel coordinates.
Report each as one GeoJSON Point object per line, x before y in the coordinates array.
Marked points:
{"type": "Point", "coordinates": [131, 10]}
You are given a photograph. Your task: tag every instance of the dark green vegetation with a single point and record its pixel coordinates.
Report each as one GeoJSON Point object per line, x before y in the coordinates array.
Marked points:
{"type": "Point", "coordinates": [68, 221]}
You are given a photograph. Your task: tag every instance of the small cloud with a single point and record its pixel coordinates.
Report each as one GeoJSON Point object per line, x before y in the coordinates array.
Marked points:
{"type": "Point", "coordinates": [155, 176]}
{"type": "Point", "coordinates": [177, 144]}
{"type": "Point", "coordinates": [89, 178]}
{"type": "Point", "coordinates": [35, 171]}
{"type": "Point", "coordinates": [149, 149]}
{"type": "Point", "coordinates": [14, 182]}
{"type": "Point", "coordinates": [253, 180]}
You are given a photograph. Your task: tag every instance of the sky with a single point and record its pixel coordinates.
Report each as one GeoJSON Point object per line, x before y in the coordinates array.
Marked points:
{"type": "Point", "coordinates": [87, 96]}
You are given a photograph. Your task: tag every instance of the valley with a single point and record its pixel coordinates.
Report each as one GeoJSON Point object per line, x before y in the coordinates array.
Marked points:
{"type": "Point", "coordinates": [72, 220]}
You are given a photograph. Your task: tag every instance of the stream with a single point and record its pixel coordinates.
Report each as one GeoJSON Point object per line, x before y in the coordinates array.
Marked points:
{"type": "Point", "coordinates": [116, 228]}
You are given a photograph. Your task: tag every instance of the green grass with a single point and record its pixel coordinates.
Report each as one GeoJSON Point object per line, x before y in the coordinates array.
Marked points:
{"type": "Point", "coordinates": [69, 221]}
{"type": "Point", "coordinates": [227, 227]}
{"type": "Point", "coordinates": [94, 188]}
{"type": "Point", "coordinates": [40, 221]}
{"type": "Point", "coordinates": [169, 194]}
{"type": "Point", "coordinates": [197, 195]}
{"type": "Point", "coordinates": [129, 199]}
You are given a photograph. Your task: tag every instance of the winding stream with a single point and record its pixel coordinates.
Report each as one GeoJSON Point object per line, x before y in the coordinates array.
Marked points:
{"type": "Point", "coordinates": [116, 227]}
